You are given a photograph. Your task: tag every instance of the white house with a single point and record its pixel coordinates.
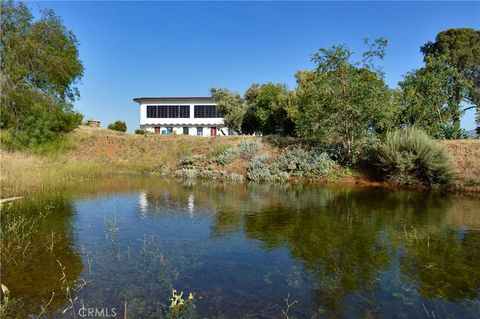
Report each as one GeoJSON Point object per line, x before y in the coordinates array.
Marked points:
{"type": "Point", "coordinates": [181, 115]}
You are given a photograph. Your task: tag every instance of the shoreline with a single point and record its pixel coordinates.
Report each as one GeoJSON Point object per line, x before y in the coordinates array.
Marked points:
{"type": "Point", "coordinates": [96, 153]}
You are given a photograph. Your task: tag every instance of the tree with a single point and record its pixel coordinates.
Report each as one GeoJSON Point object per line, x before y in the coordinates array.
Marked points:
{"type": "Point", "coordinates": [431, 98]}
{"type": "Point", "coordinates": [232, 106]}
{"type": "Point", "coordinates": [39, 69]}
{"type": "Point", "coordinates": [342, 103]}
{"type": "Point", "coordinates": [118, 126]}
{"type": "Point", "coordinates": [267, 108]}
{"type": "Point", "coordinates": [461, 49]}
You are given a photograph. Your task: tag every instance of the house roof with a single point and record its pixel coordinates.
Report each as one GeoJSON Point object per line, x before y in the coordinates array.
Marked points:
{"type": "Point", "coordinates": [174, 99]}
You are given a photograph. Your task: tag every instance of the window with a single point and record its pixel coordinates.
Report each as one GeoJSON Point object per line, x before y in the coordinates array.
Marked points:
{"type": "Point", "coordinates": [185, 111]}
{"type": "Point", "coordinates": [151, 111]}
{"type": "Point", "coordinates": [168, 111]}
{"type": "Point", "coordinates": [206, 111]}
{"type": "Point", "coordinates": [200, 131]}
{"type": "Point", "coordinates": [186, 131]}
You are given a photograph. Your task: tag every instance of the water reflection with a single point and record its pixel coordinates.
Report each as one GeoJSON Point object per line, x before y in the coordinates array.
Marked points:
{"type": "Point", "coordinates": [31, 267]}
{"type": "Point", "coordinates": [242, 248]}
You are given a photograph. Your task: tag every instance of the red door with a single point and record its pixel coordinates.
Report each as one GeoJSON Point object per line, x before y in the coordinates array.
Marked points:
{"type": "Point", "coordinates": [157, 130]}
{"type": "Point", "coordinates": [213, 131]}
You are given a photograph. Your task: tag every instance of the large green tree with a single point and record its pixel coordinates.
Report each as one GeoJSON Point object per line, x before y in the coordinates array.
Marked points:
{"type": "Point", "coordinates": [267, 113]}
{"type": "Point", "coordinates": [460, 48]}
{"type": "Point", "coordinates": [40, 67]}
{"type": "Point", "coordinates": [232, 105]}
{"type": "Point", "coordinates": [342, 102]}
{"type": "Point", "coordinates": [431, 98]}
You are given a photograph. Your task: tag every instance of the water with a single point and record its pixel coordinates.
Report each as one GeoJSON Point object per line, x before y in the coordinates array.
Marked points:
{"type": "Point", "coordinates": [243, 249]}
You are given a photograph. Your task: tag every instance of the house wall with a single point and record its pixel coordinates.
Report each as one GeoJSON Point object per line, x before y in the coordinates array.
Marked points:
{"type": "Point", "coordinates": [177, 124]}
{"type": "Point", "coordinates": [192, 129]}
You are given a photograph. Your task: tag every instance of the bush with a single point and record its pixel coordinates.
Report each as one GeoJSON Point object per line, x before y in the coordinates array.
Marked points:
{"type": "Point", "coordinates": [260, 169]}
{"type": "Point", "coordinates": [186, 173]}
{"type": "Point", "coordinates": [141, 132]}
{"type": "Point", "coordinates": [410, 156]}
{"type": "Point", "coordinates": [41, 127]}
{"type": "Point", "coordinates": [118, 126]}
{"type": "Point", "coordinates": [227, 155]}
{"type": "Point", "coordinates": [223, 154]}
{"type": "Point", "coordinates": [248, 148]}
{"type": "Point", "coordinates": [193, 161]}
{"type": "Point", "coordinates": [301, 163]}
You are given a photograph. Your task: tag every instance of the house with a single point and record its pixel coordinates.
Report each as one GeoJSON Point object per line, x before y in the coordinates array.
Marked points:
{"type": "Point", "coordinates": [181, 115]}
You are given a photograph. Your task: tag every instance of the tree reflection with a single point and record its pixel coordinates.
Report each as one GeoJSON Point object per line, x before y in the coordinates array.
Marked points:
{"type": "Point", "coordinates": [445, 264]}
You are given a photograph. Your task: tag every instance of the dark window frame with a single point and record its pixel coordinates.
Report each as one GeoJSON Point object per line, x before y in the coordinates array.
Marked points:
{"type": "Point", "coordinates": [168, 111]}
{"type": "Point", "coordinates": [206, 111]}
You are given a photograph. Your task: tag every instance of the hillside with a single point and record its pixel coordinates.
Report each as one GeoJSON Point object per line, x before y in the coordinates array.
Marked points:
{"type": "Point", "coordinates": [98, 152]}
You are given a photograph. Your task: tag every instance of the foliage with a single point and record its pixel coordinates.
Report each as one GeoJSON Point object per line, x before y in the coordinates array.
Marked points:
{"type": "Point", "coordinates": [37, 90]}
{"type": "Point", "coordinates": [223, 153]}
{"type": "Point", "coordinates": [301, 163]}
{"type": "Point", "coordinates": [431, 98]}
{"type": "Point", "coordinates": [410, 156]}
{"type": "Point", "coordinates": [260, 169]}
{"type": "Point", "coordinates": [267, 110]}
{"type": "Point", "coordinates": [186, 173]}
{"type": "Point", "coordinates": [179, 307]}
{"type": "Point", "coordinates": [341, 102]}
{"type": "Point", "coordinates": [248, 148]}
{"type": "Point", "coordinates": [295, 162]}
{"type": "Point", "coordinates": [461, 49]}
{"type": "Point", "coordinates": [141, 132]}
{"type": "Point", "coordinates": [227, 156]}
{"type": "Point", "coordinates": [232, 107]}
{"type": "Point", "coordinates": [120, 126]}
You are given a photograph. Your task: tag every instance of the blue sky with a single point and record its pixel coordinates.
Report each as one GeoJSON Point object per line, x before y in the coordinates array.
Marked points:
{"type": "Point", "coordinates": [134, 49]}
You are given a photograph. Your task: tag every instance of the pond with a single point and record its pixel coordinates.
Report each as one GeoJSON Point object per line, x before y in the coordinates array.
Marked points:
{"type": "Point", "coordinates": [243, 251]}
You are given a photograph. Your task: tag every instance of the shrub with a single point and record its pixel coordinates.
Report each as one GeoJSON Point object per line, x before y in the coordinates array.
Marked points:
{"type": "Point", "coordinates": [223, 154]}
{"type": "Point", "coordinates": [259, 169]}
{"type": "Point", "coordinates": [141, 132]}
{"type": "Point", "coordinates": [186, 173]}
{"type": "Point", "coordinates": [301, 163]}
{"type": "Point", "coordinates": [227, 156]}
{"type": "Point", "coordinates": [40, 127]}
{"type": "Point", "coordinates": [410, 156]}
{"type": "Point", "coordinates": [193, 161]}
{"type": "Point", "coordinates": [248, 148]}
{"type": "Point", "coordinates": [118, 126]}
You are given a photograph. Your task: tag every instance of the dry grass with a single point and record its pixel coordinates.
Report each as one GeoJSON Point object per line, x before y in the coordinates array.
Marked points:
{"type": "Point", "coordinates": [466, 161]}
{"type": "Point", "coordinates": [100, 152]}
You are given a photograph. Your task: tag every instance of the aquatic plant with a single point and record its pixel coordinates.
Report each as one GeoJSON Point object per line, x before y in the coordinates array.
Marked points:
{"type": "Point", "coordinates": [179, 307]}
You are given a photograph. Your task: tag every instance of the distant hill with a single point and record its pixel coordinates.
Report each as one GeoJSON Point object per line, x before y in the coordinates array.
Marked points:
{"type": "Point", "coordinates": [471, 133]}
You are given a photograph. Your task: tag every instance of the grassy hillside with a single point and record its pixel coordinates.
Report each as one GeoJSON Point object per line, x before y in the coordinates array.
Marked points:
{"type": "Point", "coordinates": [466, 162]}
{"type": "Point", "coordinates": [97, 152]}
